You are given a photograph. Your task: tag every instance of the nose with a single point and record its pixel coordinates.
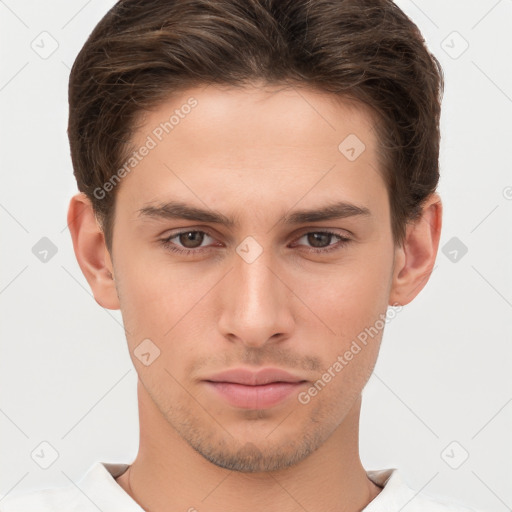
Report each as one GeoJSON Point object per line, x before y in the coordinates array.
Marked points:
{"type": "Point", "coordinates": [256, 303]}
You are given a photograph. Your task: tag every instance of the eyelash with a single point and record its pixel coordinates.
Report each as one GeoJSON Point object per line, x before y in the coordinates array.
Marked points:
{"type": "Point", "coordinates": [167, 244]}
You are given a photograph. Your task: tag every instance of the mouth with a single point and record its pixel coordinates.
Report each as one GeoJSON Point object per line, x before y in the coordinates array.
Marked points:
{"type": "Point", "coordinates": [246, 389]}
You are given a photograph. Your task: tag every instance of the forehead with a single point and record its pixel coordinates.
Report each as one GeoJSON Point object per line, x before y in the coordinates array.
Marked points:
{"type": "Point", "coordinates": [257, 115]}
{"type": "Point", "coordinates": [278, 141]}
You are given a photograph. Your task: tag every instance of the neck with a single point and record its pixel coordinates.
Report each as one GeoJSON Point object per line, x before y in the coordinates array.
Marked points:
{"type": "Point", "coordinates": [168, 474]}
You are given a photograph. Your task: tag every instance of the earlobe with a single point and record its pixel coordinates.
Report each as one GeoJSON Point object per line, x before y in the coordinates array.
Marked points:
{"type": "Point", "coordinates": [414, 261]}
{"type": "Point", "coordinates": [91, 251]}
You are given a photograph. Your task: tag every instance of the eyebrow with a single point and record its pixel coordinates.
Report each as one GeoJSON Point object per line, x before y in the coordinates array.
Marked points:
{"type": "Point", "coordinates": [178, 210]}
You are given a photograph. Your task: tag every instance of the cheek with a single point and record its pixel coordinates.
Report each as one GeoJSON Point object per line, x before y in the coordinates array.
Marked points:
{"type": "Point", "coordinates": [352, 301]}
{"type": "Point", "coordinates": [167, 304]}
{"type": "Point", "coordinates": [156, 292]}
{"type": "Point", "coordinates": [350, 296]}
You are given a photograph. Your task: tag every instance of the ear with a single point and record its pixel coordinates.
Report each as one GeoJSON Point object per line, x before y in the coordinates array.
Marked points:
{"type": "Point", "coordinates": [415, 259]}
{"type": "Point", "coordinates": [91, 251]}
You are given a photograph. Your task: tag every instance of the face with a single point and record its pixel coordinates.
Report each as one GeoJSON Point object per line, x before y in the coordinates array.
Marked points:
{"type": "Point", "coordinates": [244, 275]}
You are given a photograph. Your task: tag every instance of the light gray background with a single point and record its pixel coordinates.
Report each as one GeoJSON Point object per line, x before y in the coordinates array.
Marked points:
{"type": "Point", "coordinates": [444, 372]}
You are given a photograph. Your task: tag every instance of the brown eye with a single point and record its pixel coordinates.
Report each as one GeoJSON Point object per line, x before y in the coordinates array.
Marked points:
{"type": "Point", "coordinates": [319, 239]}
{"type": "Point", "coordinates": [186, 242]}
{"type": "Point", "coordinates": [191, 239]}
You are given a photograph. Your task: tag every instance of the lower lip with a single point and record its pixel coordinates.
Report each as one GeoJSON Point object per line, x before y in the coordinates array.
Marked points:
{"type": "Point", "coordinates": [255, 397]}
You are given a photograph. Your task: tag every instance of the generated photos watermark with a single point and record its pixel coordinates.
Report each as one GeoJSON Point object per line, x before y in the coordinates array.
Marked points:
{"type": "Point", "coordinates": [152, 140]}
{"type": "Point", "coordinates": [369, 333]}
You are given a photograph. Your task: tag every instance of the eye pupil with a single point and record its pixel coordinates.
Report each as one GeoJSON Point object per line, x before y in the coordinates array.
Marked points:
{"type": "Point", "coordinates": [314, 238]}
{"type": "Point", "coordinates": [196, 237]}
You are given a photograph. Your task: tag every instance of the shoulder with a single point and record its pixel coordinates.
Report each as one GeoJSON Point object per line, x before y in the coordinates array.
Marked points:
{"type": "Point", "coordinates": [46, 500]}
{"type": "Point", "coordinates": [424, 503]}
{"type": "Point", "coordinates": [397, 495]}
{"type": "Point", "coordinates": [96, 490]}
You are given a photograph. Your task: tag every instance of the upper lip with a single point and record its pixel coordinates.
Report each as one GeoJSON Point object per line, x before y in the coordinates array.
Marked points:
{"type": "Point", "coordinates": [251, 378]}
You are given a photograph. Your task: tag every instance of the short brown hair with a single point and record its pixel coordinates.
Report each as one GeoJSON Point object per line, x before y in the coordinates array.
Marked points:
{"type": "Point", "coordinates": [143, 51]}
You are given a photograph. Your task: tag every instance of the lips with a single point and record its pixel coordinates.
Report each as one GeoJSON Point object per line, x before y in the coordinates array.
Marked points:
{"type": "Point", "coordinates": [249, 378]}
{"type": "Point", "coordinates": [246, 389]}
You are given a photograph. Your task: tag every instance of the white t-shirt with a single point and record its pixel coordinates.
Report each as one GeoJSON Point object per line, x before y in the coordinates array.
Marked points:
{"type": "Point", "coordinates": [97, 490]}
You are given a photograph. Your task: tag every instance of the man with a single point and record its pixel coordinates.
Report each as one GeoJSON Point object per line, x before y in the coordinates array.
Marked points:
{"type": "Point", "coordinates": [257, 186]}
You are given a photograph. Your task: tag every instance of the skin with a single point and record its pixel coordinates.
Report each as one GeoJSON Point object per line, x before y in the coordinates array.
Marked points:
{"type": "Point", "coordinates": [256, 154]}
